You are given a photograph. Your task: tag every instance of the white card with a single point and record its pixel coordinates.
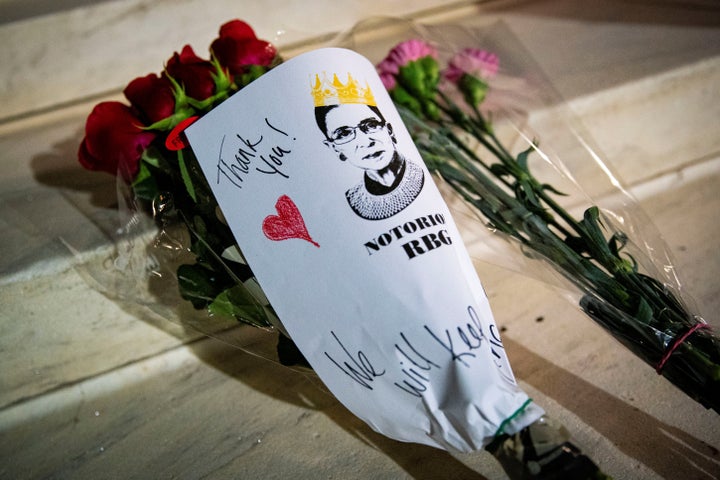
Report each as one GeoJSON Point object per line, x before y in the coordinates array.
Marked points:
{"type": "Point", "coordinates": [357, 252]}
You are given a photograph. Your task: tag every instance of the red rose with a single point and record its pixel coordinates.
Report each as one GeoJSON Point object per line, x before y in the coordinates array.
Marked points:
{"type": "Point", "coordinates": [237, 47]}
{"type": "Point", "coordinates": [152, 97]}
{"type": "Point", "coordinates": [193, 73]}
{"type": "Point", "coordinates": [114, 140]}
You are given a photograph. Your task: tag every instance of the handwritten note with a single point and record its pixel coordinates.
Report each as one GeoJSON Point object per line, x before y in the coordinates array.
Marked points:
{"type": "Point", "coordinates": [255, 155]}
{"type": "Point", "coordinates": [352, 244]}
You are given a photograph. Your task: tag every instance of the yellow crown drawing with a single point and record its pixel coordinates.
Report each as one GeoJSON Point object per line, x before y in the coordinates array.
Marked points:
{"type": "Point", "coordinates": [326, 92]}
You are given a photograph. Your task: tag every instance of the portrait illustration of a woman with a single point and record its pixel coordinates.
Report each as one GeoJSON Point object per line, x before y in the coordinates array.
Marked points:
{"type": "Point", "coordinates": [356, 131]}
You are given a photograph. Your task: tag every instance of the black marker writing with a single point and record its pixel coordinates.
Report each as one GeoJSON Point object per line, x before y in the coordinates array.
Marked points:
{"type": "Point", "coordinates": [275, 128]}
{"type": "Point", "coordinates": [470, 335]}
{"type": "Point", "coordinates": [244, 154]}
{"type": "Point", "coordinates": [250, 152]}
{"type": "Point", "coordinates": [415, 377]}
{"type": "Point", "coordinates": [236, 170]}
{"type": "Point", "coordinates": [418, 360]}
{"type": "Point", "coordinates": [358, 367]}
{"type": "Point", "coordinates": [221, 163]}
{"type": "Point", "coordinates": [274, 160]}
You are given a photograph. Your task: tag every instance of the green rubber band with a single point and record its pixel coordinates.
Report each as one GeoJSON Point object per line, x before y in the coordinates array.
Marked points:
{"type": "Point", "coordinates": [512, 417]}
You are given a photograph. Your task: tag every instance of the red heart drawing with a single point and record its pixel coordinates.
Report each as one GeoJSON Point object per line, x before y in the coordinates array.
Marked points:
{"type": "Point", "coordinates": [287, 224]}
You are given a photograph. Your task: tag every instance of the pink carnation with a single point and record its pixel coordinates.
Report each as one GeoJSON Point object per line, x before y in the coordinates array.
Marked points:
{"type": "Point", "coordinates": [473, 61]}
{"type": "Point", "coordinates": [403, 53]}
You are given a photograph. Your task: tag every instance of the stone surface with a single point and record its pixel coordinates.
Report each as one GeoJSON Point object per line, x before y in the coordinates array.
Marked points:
{"type": "Point", "coordinates": [96, 386]}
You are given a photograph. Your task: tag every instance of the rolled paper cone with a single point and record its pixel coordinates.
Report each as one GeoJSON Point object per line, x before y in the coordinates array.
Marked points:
{"type": "Point", "coordinates": [351, 242]}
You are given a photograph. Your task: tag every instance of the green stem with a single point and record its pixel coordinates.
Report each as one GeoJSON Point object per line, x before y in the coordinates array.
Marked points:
{"type": "Point", "coordinates": [637, 309]}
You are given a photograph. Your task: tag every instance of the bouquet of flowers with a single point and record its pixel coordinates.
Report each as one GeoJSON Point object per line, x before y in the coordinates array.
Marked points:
{"type": "Point", "coordinates": [142, 143]}
{"type": "Point", "coordinates": [454, 117]}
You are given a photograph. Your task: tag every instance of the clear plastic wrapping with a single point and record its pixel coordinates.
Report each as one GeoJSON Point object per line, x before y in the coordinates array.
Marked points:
{"type": "Point", "coordinates": [518, 162]}
{"type": "Point", "coordinates": [524, 181]}
{"type": "Point", "coordinates": [546, 204]}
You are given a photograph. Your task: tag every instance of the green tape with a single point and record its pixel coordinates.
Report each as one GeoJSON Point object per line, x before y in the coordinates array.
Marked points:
{"type": "Point", "coordinates": [512, 417]}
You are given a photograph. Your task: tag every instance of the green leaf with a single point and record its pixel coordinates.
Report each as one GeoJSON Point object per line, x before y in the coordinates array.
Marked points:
{"type": "Point", "coordinates": [185, 175]}
{"type": "Point", "coordinates": [591, 222]}
{"type": "Point", "coordinates": [617, 242]}
{"type": "Point", "coordinates": [168, 123]}
{"type": "Point", "coordinates": [644, 313]}
{"type": "Point", "coordinates": [221, 77]}
{"type": "Point", "coordinates": [199, 285]}
{"type": "Point", "coordinates": [499, 169]}
{"type": "Point", "coordinates": [550, 188]}
{"type": "Point", "coordinates": [527, 188]}
{"type": "Point", "coordinates": [152, 156]}
{"type": "Point", "coordinates": [144, 185]}
{"type": "Point", "coordinates": [577, 244]}
{"type": "Point", "coordinates": [522, 159]}
{"type": "Point", "coordinates": [252, 73]}
{"type": "Point", "coordinates": [237, 302]}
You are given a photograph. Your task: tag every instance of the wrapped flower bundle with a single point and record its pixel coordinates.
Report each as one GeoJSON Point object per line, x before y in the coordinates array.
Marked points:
{"type": "Point", "coordinates": [450, 113]}
{"type": "Point", "coordinates": [142, 144]}
{"type": "Point", "coordinates": [231, 183]}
